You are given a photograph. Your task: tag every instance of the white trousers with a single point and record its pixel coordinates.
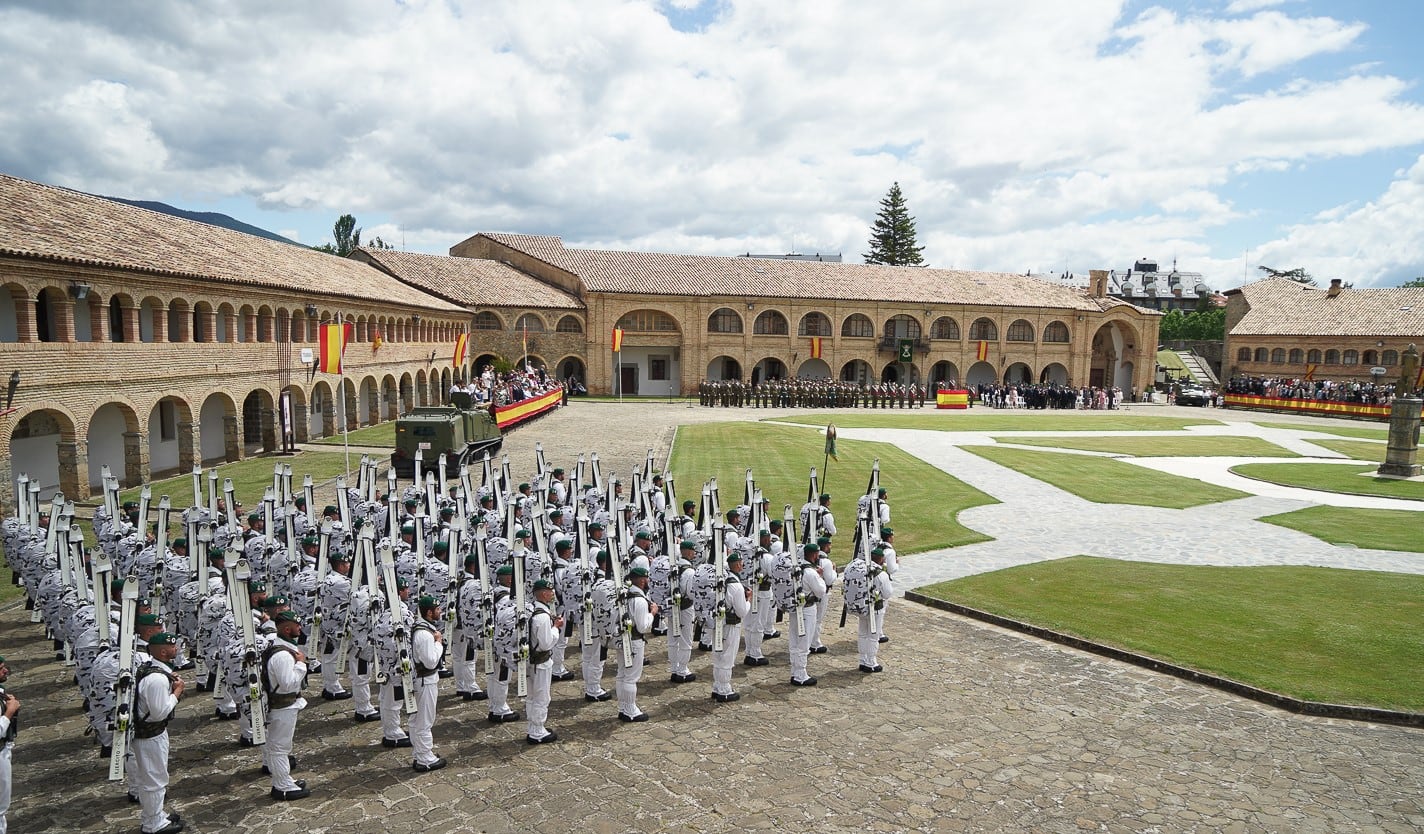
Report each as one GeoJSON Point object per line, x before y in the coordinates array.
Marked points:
{"type": "Point", "coordinates": [330, 667]}
{"type": "Point", "coordinates": [422, 724]}
{"type": "Point", "coordinates": [867, 639]}
{"type": "Point", "coordinates": [391, 709]}
{"type": "Point", "coordinates": [281, 727]}
{"type": "Point", "coordinates": [626, 681]}
{"type": "Point", "coordinates": [820, 618]}
{"type": "Point", "coordinates": [679, 647]}
{"type": "Point", "coordinates": [148, 776]}
{"type": "Point", "coordinates": [4, 785]}
{"type": "Point", "coordinates": [800, 646]}
{"type": "Point", "coordinates": [723, 661]}
{"type": "Point", "coordinates": [499, 689]}
{"type": "Point", "coordinates": [536, 703]}
{"type": "Point", "coordinates": [592, 667]}
{"type": "Point", "coordinates": [465, 661]}
{"type": "Point", "coordinates": [360, 683]}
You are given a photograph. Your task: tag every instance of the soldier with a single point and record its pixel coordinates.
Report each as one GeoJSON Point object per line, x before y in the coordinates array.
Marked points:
{"type": "Point", "coordinates": [157, 692]}
{"type": "Point", "coordinates": [383, 637]}
{"type": "Point", "coordinates": [761, 623]}
{"type": "Point", "coordinates": [361, 654]}
{"type": "Point", "coordinates": [679, 646]}
{"type": "Point", "coordinates": [887, 544]}
{"type": "Point", "coordinates": [284, 674]}
{"type": "Point", "coordinates": [8, 728]}
{"type": "Point", "coordinates": [605, 626]}
{"type": "Point", "coordinates": [426, 653]}
{"type": "Point", "coordinates": [871, 614]}
{"type": "Point", "coordinates": [641, 613]}
{"type": "Point", "coordinates": [505, 641]}
{"type": "Point", "coordinates": [469, 631]}
{"type": "Point", "coordinates": [827, 570]}
{"type": "Point", "coordinates": [334, 598]}
{"type": "Point", "coordinates": [544, 631]}
{"type": "Point", "coordinates": [809, 590]}
{"type": "Point", "coordinates": [827, 521]}
{"type": "Point", "coordinates": [563, 567]}
{"type": "Point", "coordinates": [737, 599]}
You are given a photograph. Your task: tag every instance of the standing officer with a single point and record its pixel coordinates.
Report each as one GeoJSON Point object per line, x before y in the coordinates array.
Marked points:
{"type": "Point", "coordinates": [738, 601]}
{"type": "Point", "coordinates": [427, 650]}
{"type": "Point", "coordinates": [641, 612]}
{"type": "Point", "coordinates": [284, 673]}
{"type": "Point", "coordinates": [810, 588]}
{"type": "Point", "coordinates": [544, 630]}
{"type": "Point", "coordinates": [157, 696]}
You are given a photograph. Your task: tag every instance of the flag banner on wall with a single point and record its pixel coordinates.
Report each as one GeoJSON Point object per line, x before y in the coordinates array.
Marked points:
{"type": "Point", "coordinates": [983, 351]}
{"type": "Point", "coordinates": [333, 344]}
{"type": "Point", "coordinates": [460, 342]}
{"type": "Point", "coordinates": [1310, 372]}
{"type": "Point", "coordinates": [376, 342]}
{"type": "Point", "coordinates": [617, 339]}
{"type": "Point", "coordinates": [907, 350]}
{"type": "Point", "coordinates": [815, 347]}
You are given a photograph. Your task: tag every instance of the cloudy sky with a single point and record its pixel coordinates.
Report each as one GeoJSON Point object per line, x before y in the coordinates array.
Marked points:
{"type": "Point", "coordinates": [1037, 135]}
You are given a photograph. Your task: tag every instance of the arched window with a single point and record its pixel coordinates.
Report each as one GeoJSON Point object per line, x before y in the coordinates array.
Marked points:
{"type": "Point", "coordinates": [117, 332]}
{"type": "Point", "coordinates": [1297, 356]}
{"type": "Point", "coordinates": [983, 330]}
{"type": "Point", "coordinates": [902, 327]}
{"type": "Point", "coordinates": [1020, 331]}
{"type": "Point", "coordinates": [1278, 356]}
{"type": "Point", "coordinates": [1371, 357]}
{"type": "Point", "coordinates": [485, 320]}
{"type": "Point", "coordinates": [1389, 357]}
{"type": "Point", "coordinates": [569, 324]}
{"type": "Point", "coordinates": [648, 321]}
{"type": "Point", "coordinates": [529, 323]}
{"type": "Point", "coordinates": [1243, 355]}
{"type": "Point", "coordinates": [1351, 357]}
{"type": "Point", "coordinates": [814, 324]}
{"type": "Point", "coordinates": [770, 323]}
{"type": "Point", "coordinates": [1332, 357]}
{"type": "Point", "coordinates": [724, 320]}
{"type": "Point", "coordinates": [1262, 355]}
{"type": "Point", "coordinates": [1313, 357]}
{"type": "Point", "coordinates": [857, 326]}
{"type": "Point", "coordinates": [945, 328]}
{"type": "Point", "coordinates": [1056, 331]}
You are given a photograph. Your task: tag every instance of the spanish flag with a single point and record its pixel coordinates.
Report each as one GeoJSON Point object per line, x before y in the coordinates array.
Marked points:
{"type": "Point", "coordinates": [333, 344]}
{"type": "Point", "coordinates": [815, 347]}
{"type": "Point", "coordinates": [983, 352]}
{"type": "Point", "coordinates": [376, 342]}
{"type": "Point", "coordinates": [460, 342]}
{"type": "Point", "coordinates": [1309, 372]}
{"type": "Point", "coordinates": [617, 339]}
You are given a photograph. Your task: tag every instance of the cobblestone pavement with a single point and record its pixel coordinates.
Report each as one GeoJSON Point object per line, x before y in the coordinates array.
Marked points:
{"type": "Point", "coordinates": [970, 728]}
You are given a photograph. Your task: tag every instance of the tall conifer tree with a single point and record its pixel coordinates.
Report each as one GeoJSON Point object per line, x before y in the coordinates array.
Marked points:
{"type": "Point", "coordinates": [892, 238]}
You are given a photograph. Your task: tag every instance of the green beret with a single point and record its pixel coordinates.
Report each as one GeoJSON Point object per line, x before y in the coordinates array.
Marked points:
{"type": "Point", "coordinates": [563, 544]}
{"type": "Point", "coordinates": [149, 619]}
{"type": "Point", "coordinates": [329, 509]}
{"type": "Point", "coordinates": [412, 502]}
{"type": "Point", "coordinates": [886, 531]}
{"type": "Point", "coordinates": [823, 540]}
{"type": "Point", "coordinates": [402, 583]}
{"type": "Point", "coordinates": [116, 587]}
{"type": "Point", "coordinates": [256, 586]}
{"type": "Point", "coordinates": [286, 617]}
{"type": "Point", "coordinates": [163, 638]}
{"type": "Point", "coordinates": [300, 501]}
{"type": "Point", "coordinates": [215, 553]}
{"type": "Point", "coordinates": [878, 551]}
{"type": "Point", "coordinates": [408, 527]}
{"type": "Point", "coordinates": [129, 505]}
{"type": "Point", "coordinates": [688, 544]}
{"type": "Point", "coordinates": [471, 559]}
{"type": "Point", "coordinates": [524, 486]}
{"type": "Point", "coordinates": [558, 472]}
{"type": "Point", "coordinates": [809, 548]}
{"type": "Point", "coordinates": [427, 602]}
{"type": "Point", "coordinates": [274, 602]}
{"type": "Point", "coordinates": [556, 511]}
{"type": "Point", "coordinates": [441, 547]}
{"type": "Point", "coordinates": [447, 510]}
{"type": "Point", "coordinates": [595, 526]}
{"type": "Point", "coordinates": [543, 585]}
{"type": "Point", "coordinates": [337, 557]}
{"type": "Point", "coordinates": [825, 496]}
{"type": "Point", "coordinates": [689, 504]}
{"type": "Point", "coordinates": [311, 541]}
{"type": "Point", "coordinates": [774, 524]}
{"type": "Point", "coordinates": [881, 493]}
{"type": "Point", "coordinates": [180, 542]}
{"type": "Point", "coordinates": [522, 534]}
{"type": "Point", "coordinates": [734, 556]}
{"type": "Point", "coordinates": [253, 518]}
{"type": "Point", "coordinates": [763, 532]}
{"type": "Point", "coordinates": [643, 534]}
{"type": "Point", "coordinates": [505, 570]}
{"type": "Point", "coordinates": [638, 571]}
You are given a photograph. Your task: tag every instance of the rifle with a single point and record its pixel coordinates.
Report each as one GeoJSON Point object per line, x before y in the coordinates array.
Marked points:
{"type": "Point", "coordinates": [789, 529]}
{"type": "Point", "coordinates": [754, 528]}
{"type": "Point", "coordinates": [124, 686]}
{"type": "Point", "coordinates": [400, 632]}
{"type": "Point", "coordinates": [581, 545]}
{"type": "Point", "coordinates": [719, 614]}
{"type": "Point", "coordinates": [487, 584]}
{"type": "Point", "coordinates": [160, 550]}
{"type": "Point", "coordinates": [673, 553]}
{"type": "Point", "coordinates": [626, 621]}
{"type": "Point", "coordinates": [323, 562]}
{"type": "Point", "coordinates": [233, 525]}
{"type": "Point", "coordinates": [237, 578]}
{"type": "Point", "coordinates": [521, 655]}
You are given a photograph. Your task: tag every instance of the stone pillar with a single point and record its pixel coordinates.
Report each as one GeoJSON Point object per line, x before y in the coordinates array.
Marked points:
{"type": "Point", "coordinates": [26, 329]}
{"type": "Point", "coordinates": [300, 422]}
{"type": "Point", "coordinates": [135, 458]}
{"type": "Point", "coordinates": [73, 470]}
{"type": "Point", "coordinates": [229, 327]}
{"type": "Point", "coordinates": [209, 322]}
{"type": "Point", "coordinates": [1401, 458]}
{"type": "Point", "coordinates": [63, 309]}
{"type": "Point", "coordinates": [132, 331]}
{"type": "Point", "coordinates": [160, 324]}
{"type": "Point", "coordinates": [189, 446]}
{"type": "Point", "coordinates": [7, 486]}
{"type": "Point", "coordinates": [232, 438]}
{"type": "Point", "coordinates": [328, 417]}
{"type": "Point", "coordinates": [353, 418]}
{"type": "Point", "coordinates": [99, 323]}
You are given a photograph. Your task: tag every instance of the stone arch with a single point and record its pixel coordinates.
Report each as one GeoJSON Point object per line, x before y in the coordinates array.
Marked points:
{"type": "Point", "coordinates": [814, 368]}
{"type": "Point", "coordinates": [406, 393]}
{"type": "Point", "coordinates": [368, 406]}
{"type": "Point", "coordinates": [857, 371]}
{"type": "Point", "coordinates": [89, 313]}
{"type": "Point", "coordinates": [530, 323]}
{"type": "Point", "coordinates": [1056, 332]}
{"type": "Point", "coordinates": [151, 320]}
{"type": "Point", "coordinates": [768, 368]}
{"type": "Point", "coordinates": [1053, 373]}
{"type": "Point", "coordinates": [980, 373]}
{"type": "Point", "coordinates": [945, 372]}
{"type": "Point", "coordinates": [1020, 330]}
{"type": "Point", "coordinates": [170, 436]}
{"type": "Point", "coordinates": [246, 324]}
{"type": "Point", "coordinates": [390, 397]}
{"type": "Point", "coordinates": [265, 324]}
{"type": "Point", "coordinates": [814, 323]}
{"type": "Point", "coordinates": [724, 367]}
{"type": "Point", "coordinates": [225, 323]}
{"type": "Point", "coordinates": [724, 320]}
{"type": "Point", "coordinates": [259, 424]}
{"type": "Point", "coordinates": [13, 302]}
{"type": "Point", "coordinates": [945, 329]}
{"type": "Point", "coordinates": [572, 366]}
{"type": "Point", "coordinates": [487, 320]}
{"type": "Point", "coordinates": [648, 320]}
{"type": "Point", "coordinates": [1019, 373]}
{"type": "Point", "coordinates": [983, 330]}
{"type": "Point", "coordinates": [569, 324]}
{"type": "Point", "coordinates": [114, 439]}
{"type": "Point", "coordinates": [347, 411]}
{"type": "Point", "coordinates": [1112, 343]}
{"type": "Point", "coordinates": [123, 318]}
{"type": "Point", "coordinates": [857, 326]}
{"type": "Point", "coordinates": [179, 321]}
{"type": "Point", "coordinates": [48, 326]}
{"type": "Point", "coordinates": [422, 391]}
{"type": "Point", "coordinates": [536, 361]}
{"type": "Point", "coordinates": [902, 326]}
{"type": "Point", "coordinates": [898, 372]}
{"type": "Point", "coordinates": [293, 417]}
{"type": "Point", "coordinates": [770, 323]}
{"type": "Point", "coordinates": [43, 446]}
{"type": "Point", "coordinates": [321, 412]}
{"type": "Point", "coordinates": [204, 322]}
{"type": "Point", "coordinates": [217, 429]}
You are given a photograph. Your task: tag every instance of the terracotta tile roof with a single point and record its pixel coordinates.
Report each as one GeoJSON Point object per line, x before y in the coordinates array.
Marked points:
{"type": "Point", "coordinates": [51, 223]}
{"type": "Point", "coordinates": [473, 282]}
{"type": "Point", "coordinates": [1280, 307]}
{"type": "Point", "coordinates": [658, 273]}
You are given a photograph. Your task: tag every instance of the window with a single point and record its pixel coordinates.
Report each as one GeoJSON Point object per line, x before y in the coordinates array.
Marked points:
{"type": "Point", "coordinates": [1332, 357]}
{"type": "Point", "coordinates": [902, 327]}
{"type": "Point", "coordinates": [858, 327]}
{"type": "Point", "coordinates": [486, 321]}
{"type": "Point", "coordinates": [1243, 355]}
{"type": "Point", "coordinates": [814, 324]}
{"type": "Point", "coordinates": [770, 323]}
{"type": "Point", "coordinates": [658, 368]}
{"type": "Point", "coordinates": [1389, 357]}
{"type": "Point", "coordinates": [1313, 357]}
{"type": "Point", "coordinates": [1056, 331]}
{"type": "Point", "coordinates": [983, 330]}
{"type": "Point", "coordinates": [569, 324]}
{"type": "Point", "coordinates": [1297, 356]}
{"type": "Point", "coordinates": [1351, 357]}
{"type": "Point", "coordinates": [1370, 357]}
{"type": "Point", "coordinates": [724, 320]}
{"type": "Point", "coordinates": [1020, 331]}
{"type": "Point", "coordinates": [1278, 356]}
{"type": "Point", "coordinates": [1262, 354]}
{"type": "Point", "coordinates": [648, 321]}
{"type": "Point", "coordinates": [167, 421]}
{"type": "Point", "coordinates": [945, 328]}
{"type": "Point", "coordinates": [529, 323]}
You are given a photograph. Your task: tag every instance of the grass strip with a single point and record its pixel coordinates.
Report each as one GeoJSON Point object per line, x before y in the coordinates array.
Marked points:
{"type": "Point", "coordinates": [1372, 529]}
{"type": "Point", "coordinates": [1188, 446]}
{"type": "Point", "coordinates": [1002, 420]}
{"type": "Point", "coordinates": [1107, 481]}
{"type": "Point", "coordinates": [1332, 477]}
{"type": "Point", "coordinates": [1341, 431]}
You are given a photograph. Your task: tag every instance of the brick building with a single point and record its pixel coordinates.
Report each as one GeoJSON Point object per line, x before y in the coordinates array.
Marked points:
{"type": "Point", "coordinates": [1281, 328]}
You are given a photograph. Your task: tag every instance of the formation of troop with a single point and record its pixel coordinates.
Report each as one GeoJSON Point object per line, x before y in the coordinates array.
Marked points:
{"type": "Point", "coordinates": [384, 594]}
{"type": "Point", "coordinates": [810, 393]}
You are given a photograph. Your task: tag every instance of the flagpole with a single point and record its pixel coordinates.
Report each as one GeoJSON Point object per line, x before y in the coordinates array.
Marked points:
{"type": "Point", "coordinates": [345, 423]}
{"type": "Point", "coordinates": [618, 372]}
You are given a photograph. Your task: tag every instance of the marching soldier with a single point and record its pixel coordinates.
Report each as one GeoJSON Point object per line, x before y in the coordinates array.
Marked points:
{"type": "Point", "coordinates": [505, 617]}
{"type": "Point", "coordinates": [335, 602]}
{"type": "Point", "coordinates": [8, 728]}
{"type": "Point", "coordinates": [810, 590]}
{"type": "Point", "coordinates": [469, 632]}
{"type": "Point", "coordinates": [544, 630]}
{"type": "Point", "coordinates": [392, 734]}
{"type": "Point", "coordinates": [738, 601]}
{"type": "Point", "coordinates": [427, 650]}
{"type": "Point", "coordinates": [679, 645]}
{"type": "Point", "coordinates": [157, 692]}
{"type": "Point", "coordinates": [284, 673]}
{"type": "Point", "coordinates": [641, 612]}
{"type": "Point", "coordinates": [827, 570]}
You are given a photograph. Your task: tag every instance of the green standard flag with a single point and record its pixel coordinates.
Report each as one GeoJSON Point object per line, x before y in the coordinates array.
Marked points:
{"type": "Point", "coordinates": [831, 442]}
{"type": "Point", "coordinates": [907, 350]}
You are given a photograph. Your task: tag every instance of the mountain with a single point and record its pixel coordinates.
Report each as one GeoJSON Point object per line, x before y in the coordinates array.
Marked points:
{"type": "Point", "coordinates": [212, 218]}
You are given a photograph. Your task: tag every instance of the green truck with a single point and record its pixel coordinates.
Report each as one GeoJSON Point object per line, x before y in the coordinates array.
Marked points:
{"type": "Point", "coordinates": [460, 431]}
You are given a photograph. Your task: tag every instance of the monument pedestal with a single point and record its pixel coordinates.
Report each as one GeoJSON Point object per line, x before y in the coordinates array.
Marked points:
{"type": "Point", "coordinates": [1401, 460]}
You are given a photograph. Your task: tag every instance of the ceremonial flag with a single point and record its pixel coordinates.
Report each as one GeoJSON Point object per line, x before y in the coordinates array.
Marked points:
{"type": "Point", "coordinates": [460, 342]}
{"type": "Point", "coordinates": [831, 442]}
{"type": "Point", "coordinates": [1309, 372]}
{"type": "Point", "coordinates": [983, 352]}
{"type": "Point", "coordinates": [815, 347]}
{"type": "Point", "coordinates": [376, 342]}
{"type": "Point", "coordinates": [617, 339]}
{"type": "Point", "coordinates": [525, 342]}
{"type": "Point", "coordinates": [333, 344]}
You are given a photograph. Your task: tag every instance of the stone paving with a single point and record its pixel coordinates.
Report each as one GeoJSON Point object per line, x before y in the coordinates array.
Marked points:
{"type": "Point", "coordinates": [971, 728]}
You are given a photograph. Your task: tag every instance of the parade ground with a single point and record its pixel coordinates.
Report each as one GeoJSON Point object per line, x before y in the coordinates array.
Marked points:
{"type": "Point", "coordinates": [969, 728]}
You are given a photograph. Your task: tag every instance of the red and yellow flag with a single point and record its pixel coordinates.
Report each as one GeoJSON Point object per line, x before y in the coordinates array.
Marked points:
{"type": "Point", "coordinates": [617, 339]}
{"type": "Point", "coordinates": [815, 347]}
{"type": "Point", "coordinates": [983, 351]}
{"type": "Point", "coordinates": [376, 342]}
{"type": "Point", "coordinates": [333, 344]}
{"type": "Point", "coordinates": [460, 343]}
{"type": "Point", "coordinates": [1310, 372]}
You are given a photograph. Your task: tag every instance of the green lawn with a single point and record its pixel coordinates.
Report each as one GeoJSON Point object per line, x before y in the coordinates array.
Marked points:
{"type": "Point", "coordinates": [978, 420]}
{"type": "Point", "coordinates": [1332, 477]}
{"type": "Point", "coordinates": [1357, 449]}
{"type": "Point", "coordinates": [1107, 481]}
{"type": "Point", "coordinates": [1373, 529]}
{"type": "Point", "coordinates": [381, 434]}
{"type": "Point", "coordinates": [252, 476]}
{"type": "Point", "coordinates": [925, 501]}
{"type": "Point", "coordinates": [1189, 446]}
{"type": "Point", "coordinates": [1342, 431]}
{"type": "Point", "coordinates": [1320, 634]}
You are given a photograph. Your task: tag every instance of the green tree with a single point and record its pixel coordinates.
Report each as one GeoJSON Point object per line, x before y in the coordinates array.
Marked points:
{"type": "Point", "coordinates": [346, 235]}
{"type": "Point", "coordinates": [1298, 275]}
{"type": "Point", "coordinates": [1417, 283]}
{"type": "Point", "coordinates": [892, 238]}
{"type": "Point", "coordinates": [1206, 325]}
{"type": "Point", "coordinates": [1173, 326]}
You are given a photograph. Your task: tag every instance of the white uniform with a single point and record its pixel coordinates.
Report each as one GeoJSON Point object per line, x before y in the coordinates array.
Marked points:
{"type": "Point", "coordinates": [870, 620]}
{"type": "Point", "coordinates": [814, 589]}
{"type": "Point", "coordinates": [542, 636]}
{"type": "Point", "coordinates": [154, 701]}
{"type": "Point", "coordinates": [285, 676]}
{"type": "Point", "coordinates": [828, 575]}
{"type": "Point", "coordinates": [722, 661]}
{"type": "Point", "coordinates": [426, 652]}
{"type": "Point", "coordinates": [629, 675]}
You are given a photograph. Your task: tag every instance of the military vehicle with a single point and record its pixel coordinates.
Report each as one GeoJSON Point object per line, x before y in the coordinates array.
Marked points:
{"type": "Point", "coordinates": [459, 431]}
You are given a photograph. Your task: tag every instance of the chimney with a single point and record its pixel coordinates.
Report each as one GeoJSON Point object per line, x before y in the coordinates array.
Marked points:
{"type": "Point", "coordinates": [1097, 283]}
{"type": "Point", "coordinates": [1334, 288]}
